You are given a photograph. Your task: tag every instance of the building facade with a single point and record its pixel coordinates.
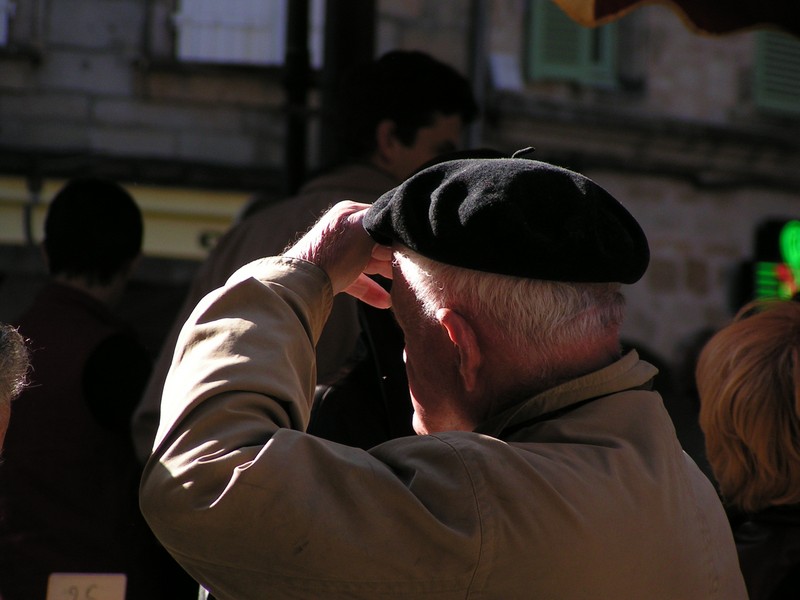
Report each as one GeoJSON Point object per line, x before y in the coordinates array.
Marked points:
{"type": "Point", "coordinates": [189, 106]}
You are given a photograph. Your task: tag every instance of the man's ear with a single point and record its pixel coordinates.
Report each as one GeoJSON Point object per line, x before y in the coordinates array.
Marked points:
{"type": "Point", "coordinates": [45, 258]}
{"type": "Point", "coordinates": [385, 139]}
{"type": "Point", "coordinates": [465, 340]}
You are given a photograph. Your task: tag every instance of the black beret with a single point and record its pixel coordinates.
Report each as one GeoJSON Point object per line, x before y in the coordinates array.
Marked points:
{"type": "Point", "coordinates": [512, 216]}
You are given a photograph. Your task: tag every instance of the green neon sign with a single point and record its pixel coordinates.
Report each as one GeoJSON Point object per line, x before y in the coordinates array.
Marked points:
{"type": "Point", "coordinates": [784, 281]}
{"type": "Point", "coordinates": [789, 242]}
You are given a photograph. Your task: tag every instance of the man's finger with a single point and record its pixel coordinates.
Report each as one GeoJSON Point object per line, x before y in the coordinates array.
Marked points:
{"type": "Point", "coordinates": [370, 292]}
{"type": "Point", "coordinates": [380, 262]}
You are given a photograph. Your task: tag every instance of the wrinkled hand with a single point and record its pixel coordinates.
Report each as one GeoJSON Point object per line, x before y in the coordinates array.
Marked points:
{"type": "Point", "coordinates": [340, 246]}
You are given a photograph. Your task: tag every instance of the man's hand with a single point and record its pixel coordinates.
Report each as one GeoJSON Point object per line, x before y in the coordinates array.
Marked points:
{"type": "Point", "coordinates": [340, 246]}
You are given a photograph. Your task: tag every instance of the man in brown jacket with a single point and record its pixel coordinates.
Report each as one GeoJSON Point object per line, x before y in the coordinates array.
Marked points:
{"type": "Point", "coordinates": [545, 466]}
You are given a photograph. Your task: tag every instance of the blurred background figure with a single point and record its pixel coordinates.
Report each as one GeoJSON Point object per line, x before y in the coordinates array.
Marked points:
{"type": "Point", "coordinates": [682, 401]}
{"type": "Point", "coordinates": [748, 380]}
{"type": "Point", "coordinates": [13, 372]}
{"type": "Point", "coordinates": [68, 484]}
{"type": "Point", "coordinates": [394, 115]}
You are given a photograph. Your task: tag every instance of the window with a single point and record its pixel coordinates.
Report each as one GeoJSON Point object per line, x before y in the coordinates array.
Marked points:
{"type": "Point", "coordinates": [6, 11]}
{"type": "Point", "coordinates": [777, 72]}
{"type": "Point", "coordinates": [251, 32]}
{"type": "Point", "coordinates": [560, 49]}
{"type": "Point", "coordinates": [21, 27]}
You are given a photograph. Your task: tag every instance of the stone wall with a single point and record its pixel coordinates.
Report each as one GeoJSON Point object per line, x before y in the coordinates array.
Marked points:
{"type": "Point", "coordinates": [681, 143]}
{"type": "Point", "coordinates": [96, 90]}
{"type": "Point", "coordinates": [438, 28]}
{"type": "Point", "coordinates": [699, 240]}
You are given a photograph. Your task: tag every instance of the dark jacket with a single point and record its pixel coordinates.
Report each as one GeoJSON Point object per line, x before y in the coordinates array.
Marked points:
{"type": "Point", "coordinates": [768, 544]}
{"type": "Point", "coordinates": [267, 233]}
{"type": "Point", "coordinates": [68, 482]}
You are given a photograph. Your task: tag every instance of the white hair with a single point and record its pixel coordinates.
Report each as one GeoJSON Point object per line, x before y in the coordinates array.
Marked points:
{"type": "Point", "coordinates": [528, 316]}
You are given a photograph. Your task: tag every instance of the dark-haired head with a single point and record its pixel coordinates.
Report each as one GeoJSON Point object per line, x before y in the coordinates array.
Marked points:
{"type": "Point", "coordinates": [408, 88]}
{"type": "Point", "coordinates": [93, 230]}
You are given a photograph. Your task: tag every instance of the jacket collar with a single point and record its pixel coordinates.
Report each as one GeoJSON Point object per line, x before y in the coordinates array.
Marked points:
{"type": "Point", "coordinates": [629, 372]}
{"type": "Point", "coordinates": [356, 176]}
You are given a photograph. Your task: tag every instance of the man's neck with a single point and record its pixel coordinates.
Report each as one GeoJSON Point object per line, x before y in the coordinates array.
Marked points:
{"type": "Point", "coordinates": [564, 364]}
{"type": "Point", "coordinates": [108, 294]}
{"type": "Point", "coordinates": [378, 163]}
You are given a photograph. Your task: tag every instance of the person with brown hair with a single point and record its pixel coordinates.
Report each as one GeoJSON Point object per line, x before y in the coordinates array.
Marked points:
{"type": "Point", "coordinates": [748, 379]}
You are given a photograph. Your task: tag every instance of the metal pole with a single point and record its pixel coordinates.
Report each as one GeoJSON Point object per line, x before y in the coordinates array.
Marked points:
{"type": "Point", "coordinates": [296, 81]}
{"type": "Point", "coordinates": [478, 67]}
{"type": "Point", "coordinates": [349, 40]}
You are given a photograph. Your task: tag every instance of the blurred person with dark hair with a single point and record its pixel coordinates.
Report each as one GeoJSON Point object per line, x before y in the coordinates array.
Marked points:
{"type": "Point", "coordinates": [68, 484]}
{"type": "Point", "coordinates": [748, 380]}
{"type": "Point", "coordinates": [13, 372]}
{"type": "Point", "coordinates": [403, 110]}
{"type": "Point", "coordinates": [394, 115]}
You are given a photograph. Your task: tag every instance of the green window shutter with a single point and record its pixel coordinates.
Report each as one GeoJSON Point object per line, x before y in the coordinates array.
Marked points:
{"type": "Point", "coordinates": [560, 49]}
{"type": "Point", "coordinates": [777, 73]}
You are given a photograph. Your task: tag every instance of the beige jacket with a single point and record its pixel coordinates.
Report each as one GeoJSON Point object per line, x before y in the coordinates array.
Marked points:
{"type": "Point", "coordinates": [593, 501]}
{"type": "Point", "coordinates": [267, 233]}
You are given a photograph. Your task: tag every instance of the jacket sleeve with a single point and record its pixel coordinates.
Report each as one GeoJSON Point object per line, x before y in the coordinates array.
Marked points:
{"type": "Point", "coordinates": [251, 506]}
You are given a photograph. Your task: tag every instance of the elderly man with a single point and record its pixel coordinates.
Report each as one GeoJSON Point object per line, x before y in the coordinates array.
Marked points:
{"type": "Point", "coordinates": [544, 465]}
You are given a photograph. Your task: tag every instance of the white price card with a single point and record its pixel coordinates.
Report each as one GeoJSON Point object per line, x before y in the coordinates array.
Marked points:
{"type": "Point", "coordinates": [86, 586]}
